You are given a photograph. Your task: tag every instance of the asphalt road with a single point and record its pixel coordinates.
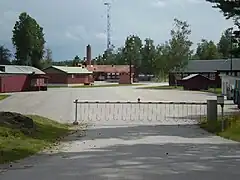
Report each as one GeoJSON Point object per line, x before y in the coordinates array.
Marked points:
{"type": "Point", "coordinates": [117, 149]}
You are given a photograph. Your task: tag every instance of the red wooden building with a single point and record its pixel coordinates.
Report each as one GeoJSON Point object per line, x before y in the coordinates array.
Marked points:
{"type": "Point", "coordinates": [110, 73]}
{"type": "Point", "coordinates": [195, 82]}
{"type": "Point", "coordinates": [21, 78]}
{"type": "Point", "coordinates": [68, 76]}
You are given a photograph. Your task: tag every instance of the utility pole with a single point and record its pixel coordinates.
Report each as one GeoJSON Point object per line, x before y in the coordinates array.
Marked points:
{"type": "Point", "coordinates": [231, 49]}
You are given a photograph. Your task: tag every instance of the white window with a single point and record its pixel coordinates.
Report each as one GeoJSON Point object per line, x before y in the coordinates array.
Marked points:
{"type": "Point", "coordinates": [72, 75]}
{"type": "Point", "coordinates": [212, 76]}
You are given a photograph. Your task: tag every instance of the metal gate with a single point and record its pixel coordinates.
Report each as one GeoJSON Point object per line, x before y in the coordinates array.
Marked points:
{"type": "Point", "coordinates": [119, 112]}
{"type": "Point", "coordinates": [135, 112]}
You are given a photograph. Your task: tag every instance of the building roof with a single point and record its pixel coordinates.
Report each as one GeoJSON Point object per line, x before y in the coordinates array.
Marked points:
{"type": "Point", "coordinates": [72, 70]}
{"type": "Point", "coordinates": [109, 68]}
{"type": "Point", "coordinates": [192, 76]}
{"type": "Point", "coordinates": [17, 69]}
{"type": "Point", "coordinates": [211, 65]}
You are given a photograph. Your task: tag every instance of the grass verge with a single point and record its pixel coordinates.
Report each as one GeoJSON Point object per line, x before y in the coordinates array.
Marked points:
{"type": "Point", "coordinates": [163, 87]}
{"type": "Point", "coordinates": [106, 85]}
{"type": "Point", "coordinates": [231, 127]}
{"type": "Point", "coordinates": [3, 96]}
{"type": "Point", "coordinates": [216, 91]}
{"type": "Point", "coordinates": [95, 86]}
{"type": "Point", "coordinates": [22, 136]}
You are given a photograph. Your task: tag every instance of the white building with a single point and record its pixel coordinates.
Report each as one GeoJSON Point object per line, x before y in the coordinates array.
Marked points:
{"type": "Point", "coordinates": [227, 81]}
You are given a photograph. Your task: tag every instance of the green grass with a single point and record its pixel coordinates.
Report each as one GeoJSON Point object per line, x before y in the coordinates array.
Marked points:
{"type": "Point", "coordinates": [95, 86]}
{"type": "Point", "coordinates": [217, 91]}
{"type": "Point", "coordinates": [106, 85]}
{"type": "Point", "coordinates": [231, 127]}
{"type": "Point", "coordinates": [3, 96]}
{"type": "Point", "coordinates": [163, 87]}
{"type": "Point", "coordinates": [15, 145]}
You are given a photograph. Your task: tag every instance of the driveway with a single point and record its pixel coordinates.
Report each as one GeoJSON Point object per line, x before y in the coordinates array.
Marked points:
{"type": "Point", "coordinates": [121, 150]}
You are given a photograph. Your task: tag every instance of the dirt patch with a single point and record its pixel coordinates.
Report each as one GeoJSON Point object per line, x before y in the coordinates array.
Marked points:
{"type": "Point", "coordinates": [17, 121]}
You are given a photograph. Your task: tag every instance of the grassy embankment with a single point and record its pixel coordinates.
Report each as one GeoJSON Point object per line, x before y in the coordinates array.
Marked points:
{"type": "Point", "coordinates": [22, 136]}
{"type": "Point", "coordinates": [231, 127]}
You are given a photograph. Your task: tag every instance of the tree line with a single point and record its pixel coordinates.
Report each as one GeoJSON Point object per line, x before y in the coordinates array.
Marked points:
{"type": "Point", "coordinates": [149, 58]}
{"type": "Point", "coordinates": [174, 54]}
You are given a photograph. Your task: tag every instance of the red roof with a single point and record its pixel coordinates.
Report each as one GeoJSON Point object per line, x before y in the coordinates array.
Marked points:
{"type": "Point", "coordinates": [109, 68]}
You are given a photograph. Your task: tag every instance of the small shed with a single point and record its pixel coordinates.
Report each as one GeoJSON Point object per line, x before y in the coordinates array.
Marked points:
{"type": "Point", "coordinates": [15, 78]}
{"type": "Point", "coordinates": [195, 82]}
{"type": "Point", "coordinates": [68, 76]}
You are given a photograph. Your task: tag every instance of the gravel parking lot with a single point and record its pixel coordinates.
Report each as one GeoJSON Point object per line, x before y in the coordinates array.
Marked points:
{"type": "Point", "coordinates": [120, 150]}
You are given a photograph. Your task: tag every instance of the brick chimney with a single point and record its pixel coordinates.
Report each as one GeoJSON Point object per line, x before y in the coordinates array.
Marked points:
{"type": "Point", "coordinates": [89, 58]}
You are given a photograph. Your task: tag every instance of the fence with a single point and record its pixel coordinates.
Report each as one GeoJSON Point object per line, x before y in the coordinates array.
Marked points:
{"type": "Point", "coordinates": [141, 112]}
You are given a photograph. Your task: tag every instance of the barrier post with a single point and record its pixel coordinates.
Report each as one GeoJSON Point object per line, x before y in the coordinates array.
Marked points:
{"type": "Point", "coordinates": [75, 122]}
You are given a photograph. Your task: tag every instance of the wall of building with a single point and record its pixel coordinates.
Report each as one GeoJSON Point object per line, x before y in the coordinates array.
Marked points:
{"type": "Point", "coordinates": [36, 82]}
{"type": "Point", "coordinates": [56, 76]}
{"type": "Point", "coordinates": [125, 79]}
{"type": "Point", "coordinates": [196, 83]}
{"type": "Point", "coordinates": [78, 78]}
{"type": "Point", "coordinates": [14, 83]}
{"type": "Point", "coordinates": [227, 81]}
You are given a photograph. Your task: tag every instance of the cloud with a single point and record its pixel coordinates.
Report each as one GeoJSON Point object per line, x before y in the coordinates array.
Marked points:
{"type": "Point", "coordinates": [71, 25]}
{"type": "Point", "coordinates": [195, 1]}
{"type": "Point", "coordinates": [77, 33]}
{"type": "Point", "coordinates": [159, 4]}
{"type": "Point", "coordinates": [101, 36]}
{"type": "Point", "coordinates": [181, 3]}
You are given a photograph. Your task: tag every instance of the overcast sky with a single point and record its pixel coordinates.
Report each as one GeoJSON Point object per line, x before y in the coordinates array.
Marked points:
{"type": "Point", "coordinates": [70, 25]}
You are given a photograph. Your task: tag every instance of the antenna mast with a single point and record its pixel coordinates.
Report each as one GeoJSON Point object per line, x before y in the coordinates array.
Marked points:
{"type": "Point", "coordinates": [108, 25]}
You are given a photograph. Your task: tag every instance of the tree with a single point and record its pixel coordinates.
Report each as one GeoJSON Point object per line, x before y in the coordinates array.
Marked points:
{"type": "Point", "coordinates": [179, 45]}
{"type": "Point", "coordinates": [231, 9]}
{"type": "Point", "coordinates": [132, 51]}
{"type": "Point", "coordinates": [76, 57]}
{"type": "Point", "coordinates": [119, 57]}
{"type": "Point", "coordinates": [207, 50]}
{"type": "Point", "coordinates": [5, 56]}
{"type": "Point", "coordinates": [28, 39]}
{"type": "Point", "coordinates": [47, 60]}
{"type": "Point", "coordinates": [162, 65]}
{"type": "Point", "coordinates": [224, 45]}
{"type": "Point", "coordinates": [76, 60]}
{"type": "Point", "coordinates": [48, 55]}
{"type": "Point", "coordinates": [148, 57]}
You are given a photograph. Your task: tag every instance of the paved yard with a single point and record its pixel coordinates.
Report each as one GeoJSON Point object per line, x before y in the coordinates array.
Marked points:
{"type": "Point", "coordinates": [58, 103]}
{"type": "Point", "coordinates": [120, 150]}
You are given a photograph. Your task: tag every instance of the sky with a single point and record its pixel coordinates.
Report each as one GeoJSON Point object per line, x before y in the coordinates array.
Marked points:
{"type": "Point", "coordinates": [70, 25]}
